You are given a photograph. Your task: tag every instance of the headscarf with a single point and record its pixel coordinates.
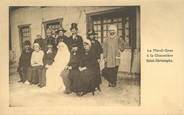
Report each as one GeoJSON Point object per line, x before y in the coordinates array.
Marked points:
{"type": "Point", "coordinates": [113, 27]}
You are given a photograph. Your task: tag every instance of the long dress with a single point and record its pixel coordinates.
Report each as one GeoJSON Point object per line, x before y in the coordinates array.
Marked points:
{"type": "Point", "coordinates": [53, 79]}
{"type": "Point", "coordinates": [74, 74]}
{"type": "Point", "coordinates": [87, 78]}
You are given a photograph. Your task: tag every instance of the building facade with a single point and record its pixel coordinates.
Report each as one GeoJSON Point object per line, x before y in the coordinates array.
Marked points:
{"type": "Point", "coordinates": [27, 22]}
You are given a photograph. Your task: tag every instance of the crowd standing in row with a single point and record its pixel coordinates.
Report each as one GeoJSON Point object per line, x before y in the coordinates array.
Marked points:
{"type": "Point", "coordinates": [75, 59]}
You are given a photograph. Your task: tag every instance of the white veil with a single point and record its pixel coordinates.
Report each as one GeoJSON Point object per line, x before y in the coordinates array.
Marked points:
{"type": "Point", "coordinates": [53, 80]}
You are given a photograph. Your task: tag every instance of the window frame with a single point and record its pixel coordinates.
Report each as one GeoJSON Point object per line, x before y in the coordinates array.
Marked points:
{"type": "Point", "coordinates": [20, 27]}
{"type": "Point", "coordinates": [129, 11]}
{"type": "Point", "coordinates": [47, 22]}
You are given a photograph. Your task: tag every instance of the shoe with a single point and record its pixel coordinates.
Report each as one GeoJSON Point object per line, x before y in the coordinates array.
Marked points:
{"type": "Point", "coordinates": [114, 85]}
{"type": "Point", "coordinates": [27, 82]}
{"type": "Point", "coordinates": [110, 85]}
{"type": "Point", "coordinates": [93, 93]}
{"type": "Point", "coordinates": [20, 81]}
{"type": "Point", "coordinates": [41, 86]}
{"type": "Point", "coordinates": [99, 89]}
{"type": "Point", "coordinates": [80, 94]}
{"type": "Point", "coordinates": [67, 92]}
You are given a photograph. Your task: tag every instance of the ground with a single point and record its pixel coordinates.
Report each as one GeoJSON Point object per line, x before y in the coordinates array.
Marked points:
{"type": "Point", "coordinates": [127, 92]}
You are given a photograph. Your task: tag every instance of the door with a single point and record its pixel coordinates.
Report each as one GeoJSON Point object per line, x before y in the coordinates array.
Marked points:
{"type": "Point", "coordinates": [24, 34]}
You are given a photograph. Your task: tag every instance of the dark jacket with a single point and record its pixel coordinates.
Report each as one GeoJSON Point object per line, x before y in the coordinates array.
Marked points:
{"type": "Point", "coordinates": [51, 40]}
{"type": "Point", "coordinates": [77, 41]}
{"type": "Point", "coordinates": [48, 58]}
{"type": "Point", "coordinates": [88, 60]}
{"type": "Point", "coordinates": [25, 59]}
{"type": "Point", "coordinates": [64, 39]}
{"type": "Point", "coordinates": [74, 60]}
{"type": "Point", "coordinates": [97, 48]}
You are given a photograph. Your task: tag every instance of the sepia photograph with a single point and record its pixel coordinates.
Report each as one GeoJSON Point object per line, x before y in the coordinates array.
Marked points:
{"type": "Point", "coordinates": [74, 55]}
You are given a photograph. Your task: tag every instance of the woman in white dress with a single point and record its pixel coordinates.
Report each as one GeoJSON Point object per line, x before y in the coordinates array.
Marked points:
{"type": "Point", "coordinates": [54, 81]}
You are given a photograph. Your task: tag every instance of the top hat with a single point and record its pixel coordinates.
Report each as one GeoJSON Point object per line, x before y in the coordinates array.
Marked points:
{"type": "Point", "coordinates": [92, 32]}
{"type": "Point", "coordinates": [74, 26]}
{"type": "Point", "coordinates": [61, 29]}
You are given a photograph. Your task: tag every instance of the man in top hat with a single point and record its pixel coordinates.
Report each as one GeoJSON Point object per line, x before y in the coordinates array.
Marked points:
{"type": "Point", "coordinates": [62, 37]}
{"type": "Point", "coordinates": [75, 38]}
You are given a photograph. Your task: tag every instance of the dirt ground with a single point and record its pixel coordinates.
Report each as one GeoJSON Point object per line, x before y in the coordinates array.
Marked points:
{"type": "Point", "coordinates": [127, 93]}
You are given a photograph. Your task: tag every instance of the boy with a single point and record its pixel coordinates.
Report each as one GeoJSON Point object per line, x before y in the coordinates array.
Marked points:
{"type": "Point", "coordinates": [24, 61]}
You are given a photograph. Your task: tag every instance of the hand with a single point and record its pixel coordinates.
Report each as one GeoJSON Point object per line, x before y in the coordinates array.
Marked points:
{"type": "Point", "coordinates": [66, 67]}
{"type": "Point", "coordinates": [69, 67]}
{"type": "Point", "coordinates": [47, 66]}
{"type": "Point", "coordinates": [105, 59]}
{"type": "Point", "coordinates": [80, 68]}
{"type": "Point", "coordinates": [98, 60]}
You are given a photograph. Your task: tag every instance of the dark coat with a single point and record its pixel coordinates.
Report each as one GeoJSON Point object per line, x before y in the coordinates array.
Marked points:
{"type": "Point", "coordinates": [78, 42]}
{"type": "Point", "coordinates": [24, 64]}
{"type": "Point", "coordinates": [97, 48]}
{"type": "Point", "coordinates": [64, 39]}
{"type": "Point", "coordinates": [51, 40]}
{"type": "Point", "coordinates": [25, 58]}
{"type": "Point", "coordinates": [97, 51]}
{"type": "Point", "coordinates": [74, 74]}
{"type": "Point", "coordinates": [88, 79]}
{"type": "Point", "coordinates": [48, 58]}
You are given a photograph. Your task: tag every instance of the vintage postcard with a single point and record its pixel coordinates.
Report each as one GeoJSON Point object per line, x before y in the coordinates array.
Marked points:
{"type": "Point", "coordinates": [96, 57]}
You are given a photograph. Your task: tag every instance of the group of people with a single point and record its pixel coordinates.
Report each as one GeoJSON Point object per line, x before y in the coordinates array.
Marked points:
{"type": "Point", "coordinates": [70, 63]}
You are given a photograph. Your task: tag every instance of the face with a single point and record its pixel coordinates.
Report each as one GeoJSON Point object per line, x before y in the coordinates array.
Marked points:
{"type": "Point", "coordinates": [86, 46]}
{"type": "Point", "coordinates": [111, 32]}
{"type": "Point", "coordinates": [27, 47]}
{"type": "Point", "coordinates": [73, 31]}
{"type": "Point", "coordinates": [61, 46]}
{"type": "Point", "coordinates": [91, 36]}
{"type": "Point", "coordinates": [38, 36]}
{"type": "Point", "coordinates": [36, 48]}
{"type": "Point", "coordinates": [61, 33]}
{"type": "Point", "coordinates": [49, 34]}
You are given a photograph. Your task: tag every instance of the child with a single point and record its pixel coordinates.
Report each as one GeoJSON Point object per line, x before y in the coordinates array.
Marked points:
{"type": "Point", "coordinates": [36, 64]}
{"type": "Point", "coordinates": [24, 61]}
{"type": "Point", "coordinates": [48, 59]}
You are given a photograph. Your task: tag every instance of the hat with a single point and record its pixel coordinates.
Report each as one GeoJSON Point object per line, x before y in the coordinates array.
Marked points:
{"type": "Point", "coordinates": [86, 41]}
{"type": "Point", "coordinates": [36, 44]}
{"type": "Point", "coordinates": [113, 27]}
{"type": "Point", "coordinates": [92, 32]}
{"type": "Point", "coordinates": [27, 42]}
{"type": "Point", "coordinates": [60, 29]}
{"type": "Point", "coordinates": [74, 25]}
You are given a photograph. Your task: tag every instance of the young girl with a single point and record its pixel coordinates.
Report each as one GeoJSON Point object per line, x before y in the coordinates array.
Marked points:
{"type": "Point", "coordinates": [36, 64]}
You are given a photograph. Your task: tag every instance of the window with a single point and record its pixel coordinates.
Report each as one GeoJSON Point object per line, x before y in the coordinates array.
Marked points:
{"type": "Point", "coordinates": [24, 34]}
{"type": "Point", "coordinates": [123, 18]}
{"type": "Point", "coordinates": [52, 25]}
